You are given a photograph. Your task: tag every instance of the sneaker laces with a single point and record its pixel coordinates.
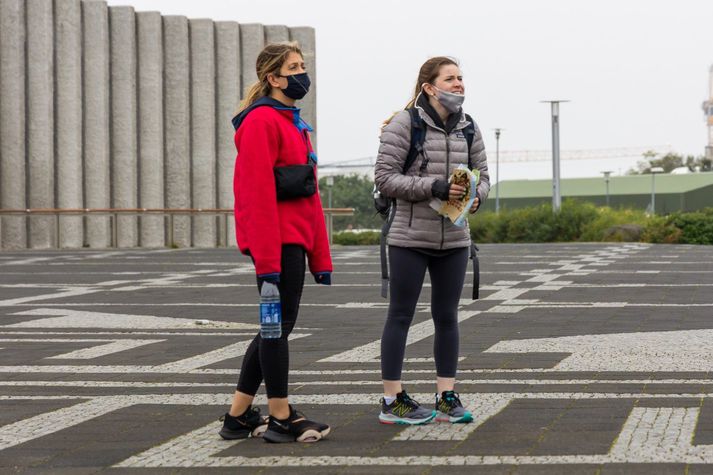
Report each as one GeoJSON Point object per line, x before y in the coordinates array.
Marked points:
{"type": "Point", "coordinates": [408, 400]}
{"type": "Point", "coordinates": [451, 398]}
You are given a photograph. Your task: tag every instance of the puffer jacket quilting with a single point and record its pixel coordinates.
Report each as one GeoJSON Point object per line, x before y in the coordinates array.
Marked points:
{"type": "Point", "coordinates": [415, 223]}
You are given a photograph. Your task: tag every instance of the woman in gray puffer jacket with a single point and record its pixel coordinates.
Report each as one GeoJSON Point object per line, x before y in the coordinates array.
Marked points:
{"type": "Point", "coordinates": [420, 239]}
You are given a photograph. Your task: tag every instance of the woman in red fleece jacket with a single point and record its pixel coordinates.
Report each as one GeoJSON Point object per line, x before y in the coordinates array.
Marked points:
{"type": "Point", "coordinates": [277, 234]}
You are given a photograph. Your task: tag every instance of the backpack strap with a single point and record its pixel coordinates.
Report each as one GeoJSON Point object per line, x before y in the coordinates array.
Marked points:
{"type": "Point", "coordinates": [382, 250]}
{"type": "Point", "coordinates": [476, 270]}
{"type": "Point", "coordinates": [469, 133]}
{"type": "Point", "coordinates": [418, 136]}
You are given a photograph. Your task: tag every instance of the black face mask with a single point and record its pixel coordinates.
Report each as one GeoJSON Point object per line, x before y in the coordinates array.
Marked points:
{"type": "Point", "coordinates": [297, 86]}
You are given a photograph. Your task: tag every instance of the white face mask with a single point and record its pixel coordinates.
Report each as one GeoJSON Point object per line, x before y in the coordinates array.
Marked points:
{"type": "Point", "coordinates": [450, 101]}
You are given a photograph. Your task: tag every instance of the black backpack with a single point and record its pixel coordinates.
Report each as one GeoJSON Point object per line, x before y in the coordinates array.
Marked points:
{"type": "Point", "coordinates": [386, 207]}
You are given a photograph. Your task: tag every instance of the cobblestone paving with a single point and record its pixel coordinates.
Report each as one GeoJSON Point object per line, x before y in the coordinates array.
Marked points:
{"type": "Point", "coordinates": [578, 358]}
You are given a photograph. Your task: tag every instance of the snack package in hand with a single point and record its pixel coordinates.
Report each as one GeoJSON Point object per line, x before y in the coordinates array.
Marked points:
{"type": "Point", "coordinates": [457, 210]}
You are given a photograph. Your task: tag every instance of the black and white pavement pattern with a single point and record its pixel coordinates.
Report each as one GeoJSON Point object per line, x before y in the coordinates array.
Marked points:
{"type": "Point", "coordinates": [578, 358]}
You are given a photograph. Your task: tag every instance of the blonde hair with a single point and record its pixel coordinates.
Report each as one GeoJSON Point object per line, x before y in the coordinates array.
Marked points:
{"type": "Point", "coordinates": [426, 75]}
{"type": "Point", "coordinates": [269, 61]}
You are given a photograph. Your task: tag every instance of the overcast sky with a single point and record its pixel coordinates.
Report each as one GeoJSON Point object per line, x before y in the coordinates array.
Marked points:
{"type": "Point", "coordinates": [636, 71]}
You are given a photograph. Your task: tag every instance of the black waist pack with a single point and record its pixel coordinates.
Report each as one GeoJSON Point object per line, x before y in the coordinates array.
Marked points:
{"type": "Point", "coordinates": [294, 181]}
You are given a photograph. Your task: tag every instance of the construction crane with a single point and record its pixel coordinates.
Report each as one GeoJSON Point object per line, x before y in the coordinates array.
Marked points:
{"type": "Point", "coordinates": [515, 156]}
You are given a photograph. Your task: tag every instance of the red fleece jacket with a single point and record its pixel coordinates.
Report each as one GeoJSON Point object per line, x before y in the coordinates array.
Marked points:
{"type": "Point", "coordinates": [268, 138]}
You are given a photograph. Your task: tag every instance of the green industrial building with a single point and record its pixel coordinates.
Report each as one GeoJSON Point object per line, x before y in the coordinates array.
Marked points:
{"type": "Point", "coordinates": [686, 192]}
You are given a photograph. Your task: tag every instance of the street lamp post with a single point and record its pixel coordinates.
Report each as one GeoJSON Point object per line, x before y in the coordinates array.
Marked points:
{"type": "Point", "coordinates": [606, 180]}
{"type": "Point", "coordinates": [556, 194]}
{"type": "Point", "coordinates": [654, 171]}
{"type": "Point", "coordinates": [330, 184]}
{"type": "Point", "coordinates": [497, 169]}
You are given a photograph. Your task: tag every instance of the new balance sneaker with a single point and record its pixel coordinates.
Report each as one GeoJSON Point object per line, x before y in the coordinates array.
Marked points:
{"type": "Point", "coordinates": [295, 428]}
{"type": "Point", "coordinates": [450, 409]}
{"type": "Point", "coordinates": [250, 423]}
{"type": "Point", "coordinates": [404, 410]}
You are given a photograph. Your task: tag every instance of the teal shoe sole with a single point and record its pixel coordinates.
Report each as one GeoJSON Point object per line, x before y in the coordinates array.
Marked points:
{"type": "Point", "coordinates": [387, 419]}
{"type": "Point", "coordinates": [467, 418]}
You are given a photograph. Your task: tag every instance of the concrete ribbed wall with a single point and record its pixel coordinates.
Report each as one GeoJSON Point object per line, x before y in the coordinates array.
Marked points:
{"type": "Point", "coordinates": [177, 120]}
{"type": "Point", "coordinates": [40, 119]}
{"type": "Point", "coordinates": [97, 131]}
{"type": "Point", "coordinates": [228, 68]}
{"type": "Point", "coordinates": [252, 41]}
{"type": "Point", "coordinates": [68, 115]}
{"type": "Point", "coordinates": [150, 125]}
{"type": "Point", "coordinates": [124, 160]}
{"type": "Point", "coordinates": [203, 176]}
{"type": "Point", "coordinates": [105, 107]}
{"type": "Point", "coordinates": [13, 232]}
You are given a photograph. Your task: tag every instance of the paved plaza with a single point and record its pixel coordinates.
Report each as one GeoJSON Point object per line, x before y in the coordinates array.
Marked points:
{"type": "Point", "coordinates": [578, 358]}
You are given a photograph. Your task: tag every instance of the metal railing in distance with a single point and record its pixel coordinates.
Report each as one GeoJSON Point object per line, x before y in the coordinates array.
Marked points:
{"type": "Point", "coordinates": [168, 213]}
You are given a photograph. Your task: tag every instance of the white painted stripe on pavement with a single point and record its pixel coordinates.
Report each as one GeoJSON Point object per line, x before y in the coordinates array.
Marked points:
{"type": "Point", "coordinates": [28, 261]}
{"type": "Point", "coordinates": [544, 278]}
{"type": "Point", "coordinates": [66, 318]}
{"type": "Point", "coordinates": [104, 350]}
{"type": "Point", "coordinates": [370, 351]}
{"type": "Point", "coordinates": [674, 351]}
{"type": "Point", "coordinates": [529, 382]}
{"type": "Point", "coordinates": [375, 382]}
{"type": "Point", "coordinates": [506, 294]}
{"type": "Point", "coordinates": [111, 384]}
{"type": "Point", "coordinates": [231, 351]}
{"type": "Point", "coordinates": [120, 369]}
{"type": "Point", "coordinates": [194, 449]}
{"type": "Point", "coordinates": [661, 435]}
{"type": "Point", "coordinates": [130, 333]}
{"type": "Point", "coordinates": [55, 295]}
{"type": "Point", "coordinates": [358, 399]}
{"type": "Point", "coordinates": [54, 421]}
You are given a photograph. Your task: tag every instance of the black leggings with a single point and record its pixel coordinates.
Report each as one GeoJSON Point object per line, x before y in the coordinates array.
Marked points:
{"type": "Point", "coordinates": [408, 269]}
{"type": "Point", "coordinates": [269, 358]}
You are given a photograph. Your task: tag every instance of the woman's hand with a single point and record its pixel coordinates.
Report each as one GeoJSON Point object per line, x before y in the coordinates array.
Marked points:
{"type": "Point", "coordinates": [456, 192]}
{"type": "Point", "coordinates": [475, 205]}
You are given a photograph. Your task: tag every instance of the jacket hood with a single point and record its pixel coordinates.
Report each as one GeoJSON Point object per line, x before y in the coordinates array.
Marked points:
{"type": "Point", "coordinates": [263, 101]}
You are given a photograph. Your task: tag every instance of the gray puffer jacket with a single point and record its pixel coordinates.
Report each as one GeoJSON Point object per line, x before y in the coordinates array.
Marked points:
{"type": "Point", "coordinates": [416, 224]}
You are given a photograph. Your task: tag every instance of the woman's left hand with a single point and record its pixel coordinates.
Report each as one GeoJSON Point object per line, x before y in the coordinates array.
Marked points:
{"type": "Point", "coordinates": [475, 205]}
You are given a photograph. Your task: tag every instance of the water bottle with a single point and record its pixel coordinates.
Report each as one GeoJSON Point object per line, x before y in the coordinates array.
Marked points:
{"type": "Point", "coordinates": [270, 311]}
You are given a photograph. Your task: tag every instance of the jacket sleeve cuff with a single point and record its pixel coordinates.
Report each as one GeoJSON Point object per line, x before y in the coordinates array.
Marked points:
{"type": "Point", "coordinates": [324, 278]}
{"type": "Point", "coordinates": [439, 189]}
{"type": "Point", "coordinates": [273, 278]}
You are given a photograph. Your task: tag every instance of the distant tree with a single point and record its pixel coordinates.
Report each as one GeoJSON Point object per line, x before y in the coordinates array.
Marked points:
{"type": "Point", "coordinates": [352, 191]}
{"type": "Point", "coordinates": [706, 164]}
{"type": "Point", "coordinates": [669, 162]}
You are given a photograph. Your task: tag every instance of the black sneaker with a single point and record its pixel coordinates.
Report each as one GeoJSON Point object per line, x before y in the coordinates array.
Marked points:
{"type": "Point", "coordinates": [295, 428]}
{"type": "Point", "coordinates": [251, 423]}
